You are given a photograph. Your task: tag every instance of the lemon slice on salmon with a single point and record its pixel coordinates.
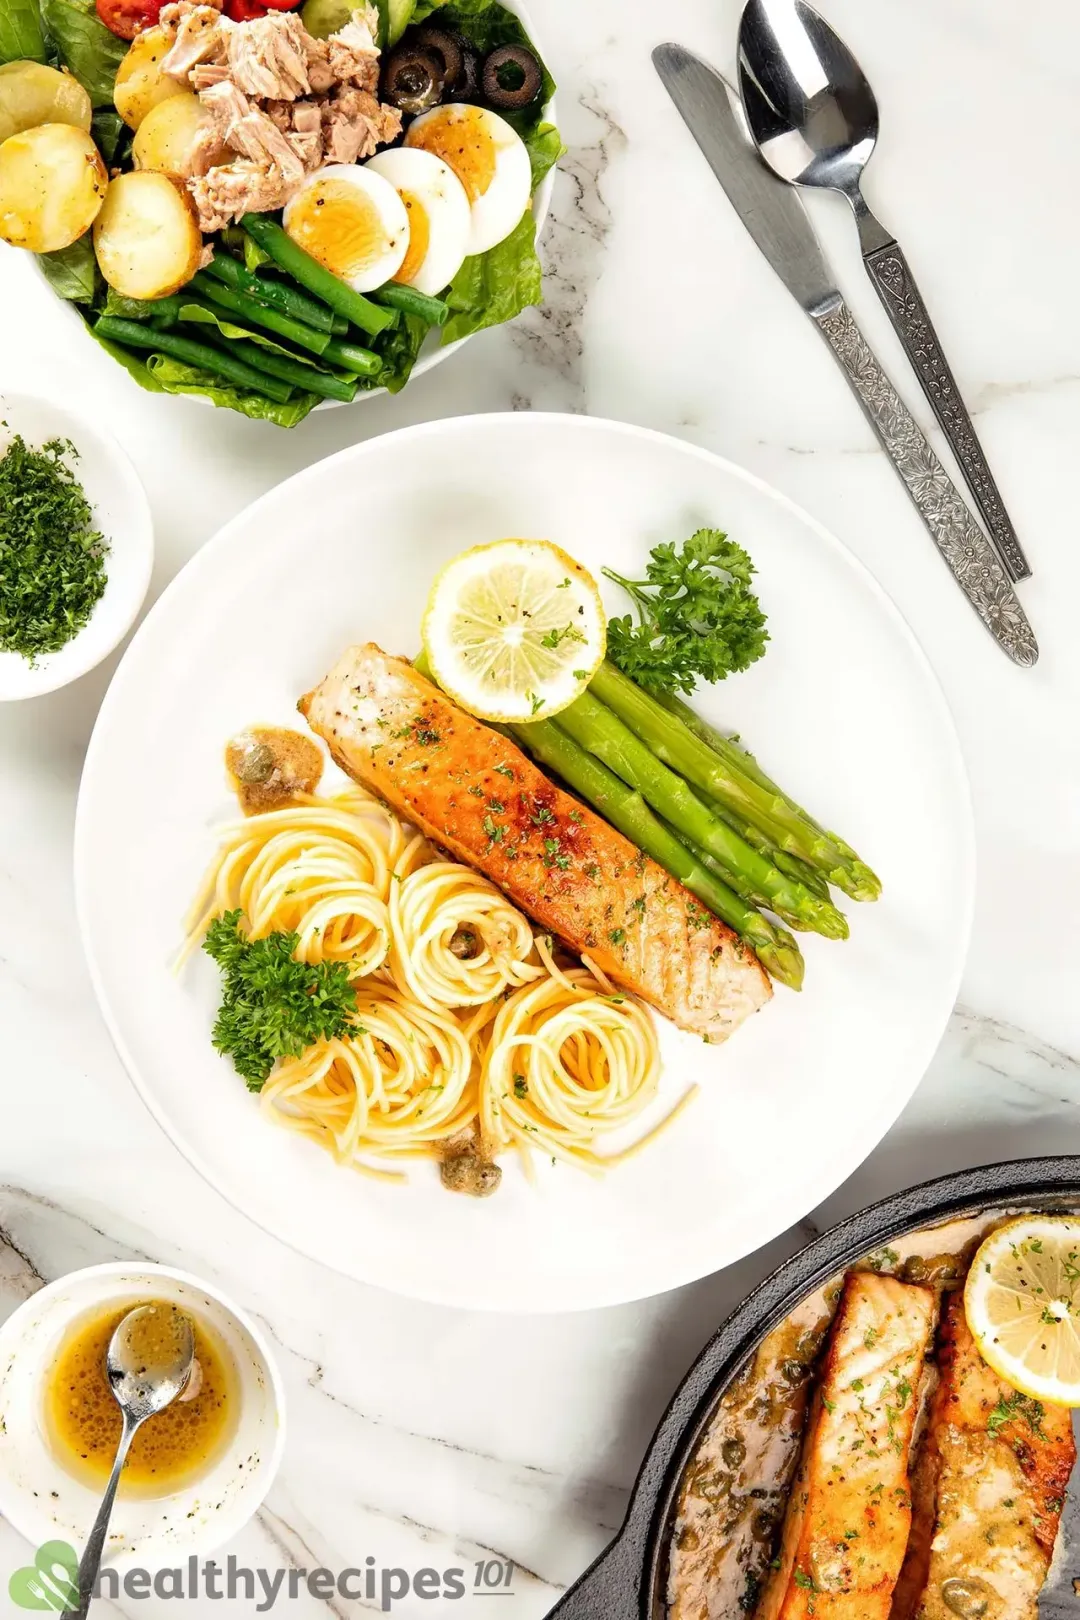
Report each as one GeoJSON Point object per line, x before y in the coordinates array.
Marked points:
{"type": "Point", "coordinates": [514, 631]}
{"type": "Point", "coordinates": [1022, 1301]}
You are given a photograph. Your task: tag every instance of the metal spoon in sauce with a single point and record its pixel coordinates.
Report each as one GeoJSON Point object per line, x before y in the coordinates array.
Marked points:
{"type": "Point", "coordinates": [148, 1363]}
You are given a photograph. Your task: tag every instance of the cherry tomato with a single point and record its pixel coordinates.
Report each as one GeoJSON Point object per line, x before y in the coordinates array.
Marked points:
{"type": "Point", "coordinates": [126, 18]}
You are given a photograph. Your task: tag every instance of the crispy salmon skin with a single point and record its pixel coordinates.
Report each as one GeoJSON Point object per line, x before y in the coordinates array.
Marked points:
{"type": "Point", "coordinates": [989, 1489]}
{"type": "Point", "coordinates": [473, 792]}
{"type": "Point", "coordinates": [850, 1509]}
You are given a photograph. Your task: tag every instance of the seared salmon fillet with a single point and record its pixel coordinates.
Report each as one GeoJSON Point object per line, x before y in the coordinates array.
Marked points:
{"type": "Point", "coordinates": [477, 795]}
{"type": "Point", "coordinates": [988, 1491]}
{"type": "Point", "coordinates": [850, 1510]}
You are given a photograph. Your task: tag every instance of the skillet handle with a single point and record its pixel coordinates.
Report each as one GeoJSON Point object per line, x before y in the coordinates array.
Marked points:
{"type": "Point", "coordinates": [611, 1589]}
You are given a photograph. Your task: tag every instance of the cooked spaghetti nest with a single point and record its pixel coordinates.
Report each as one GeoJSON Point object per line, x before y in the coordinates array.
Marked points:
{"type": "Point", "coordinates": [465, 1018]}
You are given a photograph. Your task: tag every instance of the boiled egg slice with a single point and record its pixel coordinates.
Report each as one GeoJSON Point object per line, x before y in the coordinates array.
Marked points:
{"type": "Point", "coordinates": [353, 222]}
{"type": "Point", "coordinates": [490, 160]}
{"type": "Point", "coordinates": [440, 221]}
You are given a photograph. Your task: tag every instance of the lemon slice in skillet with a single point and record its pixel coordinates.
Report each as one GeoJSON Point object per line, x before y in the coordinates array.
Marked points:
{"type": "Point", "coordinates": [514, 631]}
{"type": "Point", "coordinates": [1022, 1301]}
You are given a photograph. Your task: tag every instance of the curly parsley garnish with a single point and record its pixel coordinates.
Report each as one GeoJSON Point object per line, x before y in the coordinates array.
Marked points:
{"type": "Point", "coordinates": [273, 1006]}
{"type": "Point", "coordinates": [52, 573]}
{"type": "Point", "coordinates": [697, 617]}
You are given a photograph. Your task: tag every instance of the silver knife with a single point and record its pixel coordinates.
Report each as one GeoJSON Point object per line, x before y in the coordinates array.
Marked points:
{"type": "Point", "coordinates": [1059, 1599]}
{"type": "Point", "coordinates": [778, 222]}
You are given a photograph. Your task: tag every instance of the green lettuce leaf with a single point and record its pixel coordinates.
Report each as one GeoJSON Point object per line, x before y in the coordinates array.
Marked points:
{"type": "Point", "coordinates": [21, 35]}
{"type": "Point", "coordinates": [171, 376]}
{"type": "Point", "coordinates": [496, 286]}
{"type": "Point", "coordinates": [72, 272]}
{"type": "Point", "coordinates": [398, 348]}
{"type": "Point", "coordinates": [85, 45]}
{"type": "Point", "coordinates": [545, 148]}
{"type": "Point", "coordinates": [109, 132]}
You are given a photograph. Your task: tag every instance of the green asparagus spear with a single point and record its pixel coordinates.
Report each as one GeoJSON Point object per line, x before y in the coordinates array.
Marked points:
{"type": "Point", "coordinates": [411, 302]}
{"type": "Point", "coordinates": [238, 307]}
{"type": "Point", "coordinates": [628, 812]}
{"type": "Point", "coordinates": [602, 733]}
{"type": "Point", "coordinates": [790, 865]}
{"type": "Point", "coordinates": [744, 889]}
{"type": "Point", "coordinates": [358, 310]}
{"type": "Point", "coordinates": [139, 335]}
{"type": "Point", "coordinates": [671, 741]}
{"type": "Point", "coordinates": [741, 759]}
{"type": "Point", "coordinates": [278, 294]}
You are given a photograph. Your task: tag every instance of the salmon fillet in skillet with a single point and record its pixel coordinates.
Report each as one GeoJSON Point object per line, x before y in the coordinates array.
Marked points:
{"type": "Point", "coordinates": [850, 1510]}
{"type": "Point", "coordinates": [473, 792]}
{"type": "Point", "coordinates": [988, 1490]}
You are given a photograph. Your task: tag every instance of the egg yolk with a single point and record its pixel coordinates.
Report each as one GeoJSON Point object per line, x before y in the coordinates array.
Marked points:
{"type": "Point", "coordinates": [339, 225]}
{"type": "Point", "coordinates": [463, 141]}
{"type": "Point", "coordinates": [419, 236]}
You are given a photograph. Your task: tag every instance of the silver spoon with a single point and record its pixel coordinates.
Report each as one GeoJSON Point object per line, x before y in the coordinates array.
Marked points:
{"type": "Point", "coordinates": [814, 118]}
{"type": "Point", "coordinates": [142, 1388]}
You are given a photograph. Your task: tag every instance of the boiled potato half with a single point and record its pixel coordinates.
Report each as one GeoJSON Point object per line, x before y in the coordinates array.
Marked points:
{"type": "Point", "coordinates": [32, 94]}
{"type": "Point", "coordinates": [52, 184]}
{"type": "Point", "coordinates": [146, 239]}
{"type": "Point", "coordinates": [167, 135]}
{"type": "Point", "coordinates": [140, 83]}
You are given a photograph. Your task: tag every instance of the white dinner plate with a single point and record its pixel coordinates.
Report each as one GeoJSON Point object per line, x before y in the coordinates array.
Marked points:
{"type": "Point", "coordinates": [844, 710]}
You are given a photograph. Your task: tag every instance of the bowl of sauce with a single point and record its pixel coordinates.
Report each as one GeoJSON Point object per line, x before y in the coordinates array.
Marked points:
{"type": "Point", "coordinates": [197, 1471]}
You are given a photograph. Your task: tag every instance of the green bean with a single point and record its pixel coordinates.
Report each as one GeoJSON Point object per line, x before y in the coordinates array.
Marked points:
{"type": "Point", "coordinates": [358, 310]}
{"type": "Point", "coordinates": [135, 335]}
{"type": "Point", "coordinates": [278, 294]}
{"type": "Point", "coordinates": [351, 357]}
{"type": "Point", "coordinates": [240, 308]}
{"type": "Point", "coordinates": [411, 302]}
{"type": "Point", "coordinates": [306, 378]}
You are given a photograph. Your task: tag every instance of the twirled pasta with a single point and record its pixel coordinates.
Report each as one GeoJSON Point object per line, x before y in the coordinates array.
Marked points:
{"type": "Point", "coordinates": [456, 941]}
{"type": "Point", "coordinates": [565, 1061]}
{"type": "Point", "coordinates": [465, 1020]}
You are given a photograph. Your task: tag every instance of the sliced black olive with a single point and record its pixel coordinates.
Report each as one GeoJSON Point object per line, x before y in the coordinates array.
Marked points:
{"type": "Point", "coordinates": [512, 78]}
{"type": "Point", "coordinates": [413, 79]}
{"type": "Point", "coordinates": [448, 47]}
{"type": "Point", "coordinates": [468, 89]}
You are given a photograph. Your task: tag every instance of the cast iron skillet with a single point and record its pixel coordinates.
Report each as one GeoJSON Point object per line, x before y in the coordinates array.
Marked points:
{"type": "Point", "coordinates": [627, 1581]}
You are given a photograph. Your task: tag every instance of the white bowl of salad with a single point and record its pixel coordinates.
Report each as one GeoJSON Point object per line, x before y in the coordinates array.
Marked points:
{"type": "Point", "coordinates": [275, 206]}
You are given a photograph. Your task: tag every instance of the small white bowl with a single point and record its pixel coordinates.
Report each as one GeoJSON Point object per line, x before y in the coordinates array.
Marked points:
{"type": "Point", "coordinates": [122, 513]}
{"type": "Point", "coordinates": [45, 1503]}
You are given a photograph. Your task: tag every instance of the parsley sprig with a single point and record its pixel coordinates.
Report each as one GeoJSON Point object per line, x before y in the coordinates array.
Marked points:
{"type": "Point", "coordinates": [273, 1006]}
{"type": "Point", "coordinates": [697, 616]}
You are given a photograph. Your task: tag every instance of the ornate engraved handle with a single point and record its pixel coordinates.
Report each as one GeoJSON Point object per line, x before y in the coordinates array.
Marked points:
{"type": "Point", "coordinates": [896, 288]}
{"type": "Point", "coordinates": [958, 537]}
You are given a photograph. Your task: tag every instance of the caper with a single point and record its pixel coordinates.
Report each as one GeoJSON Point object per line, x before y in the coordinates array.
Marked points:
{"type": "Point", "coordinates": [256, 763]}
{"type": "Point", "coordinates": [969, 1599]}
{"type": "Point", "coordinates": [793, 1371]}
{"type": "Point", "coordinates": [733, 1452]}
{"type": "Point", "coordinates": [464, 944]}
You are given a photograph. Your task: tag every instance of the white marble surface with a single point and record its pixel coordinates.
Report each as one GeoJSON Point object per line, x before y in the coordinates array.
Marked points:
{"type": "Point", "coordinates": [423, 1436]}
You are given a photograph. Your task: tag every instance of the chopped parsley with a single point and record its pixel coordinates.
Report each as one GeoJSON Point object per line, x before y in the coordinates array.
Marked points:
{"type": "Point", "coordinates": [555, 638]}
{"type": "Point", "coordinates": [535, 703]}
{"type": "Point", "coordinates": [52, 572]}
{"type": "Point", "coordinates": [493, 830]}
{"type": "Point", "coordinates": [1012, 1407]}
{"type": "Point", "coordinates": [617, 936]}
{"type": "Point", "coordinates": [553, 856]}
{"type": "Point", "coordinates": [426, 736]}
{"type": "Point", "coordinates": [521, 1086]}
{"type": "Point", "coordinates": [505, 770]}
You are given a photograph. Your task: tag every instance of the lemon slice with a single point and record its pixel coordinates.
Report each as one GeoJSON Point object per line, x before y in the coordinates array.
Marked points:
{"type": "Point", "coordinates": [1022, 1301]}
{"type": "Point", "coordinates": [514, 630]}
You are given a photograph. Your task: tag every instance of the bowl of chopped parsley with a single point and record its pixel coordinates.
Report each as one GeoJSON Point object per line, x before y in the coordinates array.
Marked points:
{"type": "Point", "coordinates": [76, 545]}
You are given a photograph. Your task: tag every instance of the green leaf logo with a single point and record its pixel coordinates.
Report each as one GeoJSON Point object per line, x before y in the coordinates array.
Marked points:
{"type": "Point", "coordinates": [50, 1582]}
